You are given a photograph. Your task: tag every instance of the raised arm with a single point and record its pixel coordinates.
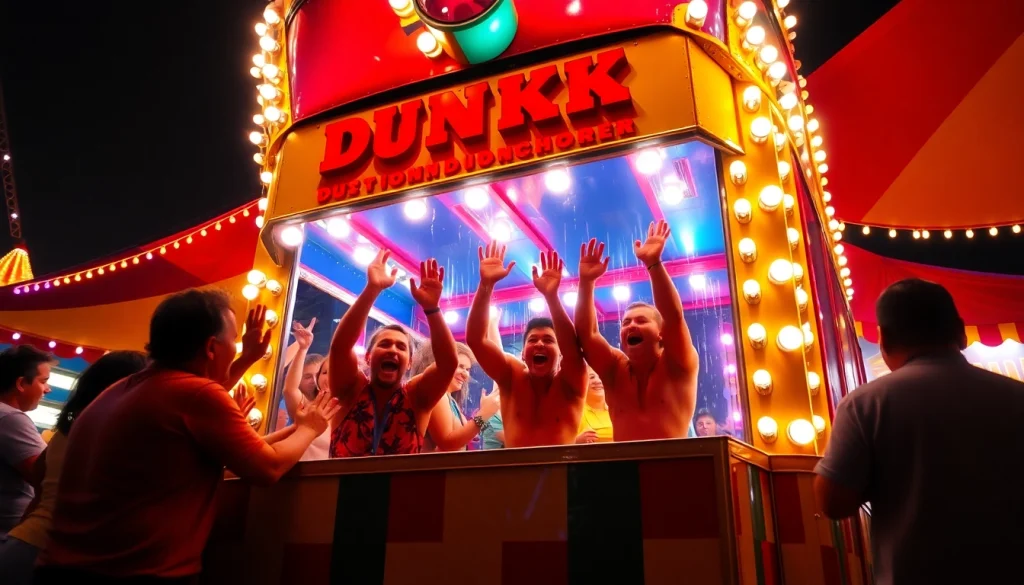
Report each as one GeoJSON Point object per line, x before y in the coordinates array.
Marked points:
{"type": "Point", "coordinates": [254, 345]}
{"type": "Point", "coordinates": [450, 435]}
{"type": "Point", "coordinates": [598, 352]}
{"type": "Point", "coordinates": [675, 335]}
{"type": "Point", "coordinates": [342, 361]}
{"type": "Point", "coordinates": [488, 354]}
{"type": "Point", "coordinates": [547, 280]}
{"type": "Point", "coordinates": [427, 388]}
{"type": "Point", "coordinates": [292, 380]}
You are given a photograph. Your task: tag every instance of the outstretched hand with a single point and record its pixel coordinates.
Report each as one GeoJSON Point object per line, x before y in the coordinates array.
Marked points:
{"type": "Point", "coordinates": [317, 414]}
{"type": "Point", "coordinates": [428, 291]}
{"type": "Point", "coordinates": [593, 262]}
{"type": "Point", "coordinates": [254, 340]}
{"type": "Point", "coordinates": [489, 404]}
{"type": "Point", "coordinates": [303, 335]}
{"type": "Point", "coordinates": [492, 263]}
{"type": "Point", "coordinates": [550, 274]}
{"type": "Point", "coordinates": [243, 398]}
{"type": "Point", "coordinates": [650, 251]}
{"type": "Point", "coordinates": [378, 274]}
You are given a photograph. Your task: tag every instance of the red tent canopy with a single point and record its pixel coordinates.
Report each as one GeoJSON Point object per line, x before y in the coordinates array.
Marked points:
{"type": "Point", "coordinates": [106, 304]}
{"type": "Point", "coordinates": [992, 305]}
{"type": "Point", "coordinates": [922, 118]}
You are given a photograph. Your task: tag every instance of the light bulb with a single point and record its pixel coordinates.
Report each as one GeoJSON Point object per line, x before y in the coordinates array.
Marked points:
{"type": "Point", "coordinates": [926, 234]}
{"type": "Point", "coordinates": [768, 429]}
{"type": "Point", "coordinates": [742, 210]}
{"type": "Point", "coordinates": [801, 432]}
{"type": "Point", "coordinates": [760, 129]}
{"type": "Point", "coordinates": [844, 272]}
{"type": "Point", "coordinates": [476, 197]}
{"type": "Point", "coordinates": [789, 21]}
{"type": "Point", "coordinates": [403, 8]}
{"type": "Point", "coordinates": [258, 158]}
{"type": "Point", "coordinates": [793, 235]}
{"type": "Point", "coordinates": [1015, 229]}
{"type": "Point", "coordinates": [808, 335]}
{"type": "Point", "coordinates": [798, 273]}
{"type": "Point", "coordinates": [790, 338]}
{"type": "Point", "coordinates": [257, 138]}
{"type": "Point", "coordinates": [747, 250]}
{"type": "Point", "coordinates": [260, 221]}
{"type": "Point", "coordinates": [427, 44]}
{"type": "Point", "coordinates": [768, 55]}
{"type": "Point", "coordinates": [256, 72]}
{"type": "Point", "coordinates": [250, 292]}
{"type": "Point", "coordinates": [256, 278]}
{"type": "Point", "coordinates": [738, 172]}
{"type": "Point", "coordinates": [801, 299]}
{"type": "Point", "coordinates": [338, 228]}
{"type": "Point", "coordinates": [266, 177]}
{"type": "Point", "coordinates": [274, 287]}
{"type": "Point", "coordinates": [780, 271]}
{"type": "Point", "coordinates": [79, 350]}
{"type": "Point", "coordinates": [415, 209]}
{"type": "Point", "coordinates": [696, 12]}
{"type": "Point", "coordinates": [796, 123]}
{"type": "Point", "coordinates": [777, 71]}
{"type": "Point", "coordinates": [268, 44]}
{"type": "Point", "coordinates": [755, 36]}
{"type": "Point", "coordinates": [762, 382]}
{"type": "Point", "coordinates": [271, 317]}
{"type": "Point", "coordinates": [557, 181]}
{"type": "Point", "coordinates": [259, 382]}
{"type": "Point", "coordinates": [819, 156]}
{"type": "Point", "coordinates": [752, 98]}
{"type": "Point", "coordinates": [290, 236]}
{"type": "Point", "coordinates": [271, 71]}
{"type": "Point", "coordinates": [273, 114]}
{"type": "Point", "coordinates": [842, 260]}
{"type": "Point", "coordinates": [969, 234]}
{"type": "Point", "coordinates": [757, 335]}
{"type": "Point", "coordinates": [817, 141]}
{"type": "Point", "coordinates": [892, 233]}
{"type": "Point", "coordinates": [269, 92]}
{"type": "Point", "coordinates": [813, 382]}
{"type": "Point", "coordinates": [770, 198]}
{"type": "Point", "coordinates": [825, 195]}
{"type": "Point", "coordinates": [993, 231]}
{"type": "Point", "coordinates": [649, 161]}
{"type": "Point", "coordinates": [271, 16]}
{"type": "Point", "coordinates": [865, 230]}
{"type": "Point", "coordinates": [819, 424]}
{"type": "Point", "coordinates": [746, 13]}
{"type": "Point", "coordinates": [751, 292]}
{"type": "Point", "coordinates": [788, 101]}
{"type": "Point", "coordinates": [948, 234]}
{"type": "Point", "coordinates": [254, 418]}
{"type": "Point", "coordinates": [259, 60]}
{"type": "Point", "coordinates": [784, 170]}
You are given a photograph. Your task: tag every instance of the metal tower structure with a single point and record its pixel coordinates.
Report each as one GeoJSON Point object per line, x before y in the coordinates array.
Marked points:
{"type": "Point", "coordinates": [7, 174]}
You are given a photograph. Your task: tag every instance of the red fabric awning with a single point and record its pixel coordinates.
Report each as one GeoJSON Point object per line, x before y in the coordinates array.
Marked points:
{"type": "Point", "coordinates": [921, 116]}
{"type": "Point", "coordinates": [992, 305]}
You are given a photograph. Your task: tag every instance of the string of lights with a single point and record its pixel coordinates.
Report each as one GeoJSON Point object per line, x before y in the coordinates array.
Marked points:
{"type": "Point", "coordinates": [269, 69]}
{"type": "Point", "coordinates": [948, 234]}
{"type": "Point", "coordinates": [136, 258]}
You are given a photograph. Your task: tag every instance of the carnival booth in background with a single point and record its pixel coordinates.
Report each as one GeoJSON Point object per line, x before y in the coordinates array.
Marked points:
{"type": "Point", "coordinates": [79, 314]}
{"type": "Point", "coordinates": [429, 128]}
{"type": "Point", "coordinates": [992, 306]}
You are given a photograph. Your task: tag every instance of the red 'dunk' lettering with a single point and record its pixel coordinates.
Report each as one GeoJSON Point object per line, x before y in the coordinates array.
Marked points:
{"type": "Point", "coordinates": [399, 132]}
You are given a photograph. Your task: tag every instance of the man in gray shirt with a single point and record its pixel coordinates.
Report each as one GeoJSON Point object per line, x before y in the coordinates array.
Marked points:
{"type": "Point", "coordinates": [24, 379]}
{"type": "Point", "coordinates": [935, 446]}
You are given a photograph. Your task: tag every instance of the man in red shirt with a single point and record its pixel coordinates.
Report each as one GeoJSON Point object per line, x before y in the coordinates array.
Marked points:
{"type": "Point", "coordinates": [144, 460]}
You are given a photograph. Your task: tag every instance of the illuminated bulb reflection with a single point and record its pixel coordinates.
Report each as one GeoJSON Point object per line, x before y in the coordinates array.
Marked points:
{"type": "Point", "coordinates": [250, 292]}
{"type": "Point", "coordinates": [801, 432]}
{"type": "Point", "coordinates": [256, 278]}
{"type": "Point", "coordinates": [790, 338]}
{"type": "Point", "coordinates": [794, 237]}
{"type": "Point", "coordinates": [780, 271]}
{"type": "Point", "coordinates": [813, 383]}
{"type": "Point", "coordinates": [291, 236]}
{"type": "Point", "coordinates": [819, 424]}
{"type": "Point", "coordinates": [801, 299]}
{"type": "Point", "coordinates": [770, 198]}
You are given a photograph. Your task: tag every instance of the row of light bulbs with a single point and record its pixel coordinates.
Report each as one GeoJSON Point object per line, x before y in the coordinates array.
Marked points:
{"type": "Point", "coordinates": [947, 234]}
{"type": "Point", "coordinates": [16, 336]}
{"type": "Point", "coordinates": [129, 261]}
{"type": "Point", "coordinates": [256, 283]}
{"type": "Point", "coordinates": [771, 197]}
{"type": "Point", "coordinates": [270, 95]}
{"type": "Point", "coordinates": [426, 40]}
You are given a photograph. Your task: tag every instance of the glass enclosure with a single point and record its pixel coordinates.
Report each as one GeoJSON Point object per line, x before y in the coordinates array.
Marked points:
{"type": "Point", "coordinates": [612, 199]}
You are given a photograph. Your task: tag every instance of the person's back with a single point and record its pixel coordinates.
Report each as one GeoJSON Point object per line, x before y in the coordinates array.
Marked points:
{"type": "Point", "coordinates": [944, 487]}
{"type": "Point", "coordinates": [933, 447]}
{"type": "Point", "coordinates": [132, 454]}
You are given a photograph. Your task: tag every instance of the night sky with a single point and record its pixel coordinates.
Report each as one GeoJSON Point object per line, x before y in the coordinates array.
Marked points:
{"type": "Point", "coordinates": [129, 125]}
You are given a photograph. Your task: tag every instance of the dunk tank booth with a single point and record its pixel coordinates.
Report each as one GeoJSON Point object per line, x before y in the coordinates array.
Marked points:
{"type": "Point", "coordinates": [432, 128]}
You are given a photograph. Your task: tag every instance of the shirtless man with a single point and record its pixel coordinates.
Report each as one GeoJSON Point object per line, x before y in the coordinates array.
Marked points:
{"type": "Point", "coordinates": [541, 399]}
{"type": "Point", "coordinates": [651, 384]}
{"type": "Point", "coordinates": [379, 414]}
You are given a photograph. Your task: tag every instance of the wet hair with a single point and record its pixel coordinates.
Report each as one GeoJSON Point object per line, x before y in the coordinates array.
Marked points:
{"type": "Point", "coordinates": [182, 324]}
{"type": "Point", "coordinates": [21, 361]}
{"type": "Point", "coordinates": [313, 359]}
{"type": "Point", "coordinates": [424, 356]}
{"type": "Point", "coordinates": [106, 371]}
{"type": "Point", "coordinates": [398, 328]}
{"type": "Point", "coordinates": [642, 305]}
{"type": "Point", "coordinates": [914, 313]}
{"type": "Point", "coordinates": [537, 323]}
{"type": "Point", "coordinates": [702, 413]}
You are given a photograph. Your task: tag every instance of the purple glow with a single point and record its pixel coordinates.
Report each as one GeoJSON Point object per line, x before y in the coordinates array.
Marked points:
{"type": "Point", "coordinates": [727, 339]}
{"type": "Point", "coordinates": [736, 416]}
{"type": "Point", "coordinates": [17, 291]}
{"type": "Point", "coordinates": [730, 369]}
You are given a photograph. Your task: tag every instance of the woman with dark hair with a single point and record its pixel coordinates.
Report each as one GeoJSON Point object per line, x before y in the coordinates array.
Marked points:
{"type": "Point", "coordinates": [18, 556]}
